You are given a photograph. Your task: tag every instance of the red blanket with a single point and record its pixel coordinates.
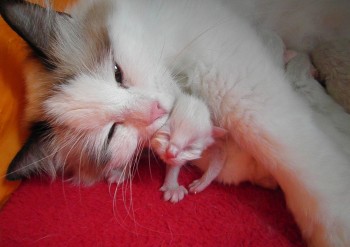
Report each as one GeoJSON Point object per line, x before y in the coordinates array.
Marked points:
{"type": "Point", "coordinates": [41, 213]}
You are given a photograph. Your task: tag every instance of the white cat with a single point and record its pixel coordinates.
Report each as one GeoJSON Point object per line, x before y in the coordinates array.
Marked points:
{"type": "Point", "coordinates": [102, 82]}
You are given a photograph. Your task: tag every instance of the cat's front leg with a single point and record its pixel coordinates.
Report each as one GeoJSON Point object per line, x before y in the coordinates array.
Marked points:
{"type": "Point", "coordinates": [116, 175]}
{"type": "Point", "coordinates": [173, 192]}
{"type": "Point", "coordinates": [217, 159]}
{"type": "Point", "coordinates": [297, 71]}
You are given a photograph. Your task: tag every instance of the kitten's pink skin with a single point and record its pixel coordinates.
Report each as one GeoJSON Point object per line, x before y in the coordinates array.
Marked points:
{"type": "Point", "coordinates": [171, 152]}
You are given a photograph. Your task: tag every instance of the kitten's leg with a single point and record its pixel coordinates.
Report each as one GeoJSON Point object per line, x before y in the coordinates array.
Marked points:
{"type": "Point", "coordinates": [217, 160]}
{"type": "Point", "coordinates": [173, 192]}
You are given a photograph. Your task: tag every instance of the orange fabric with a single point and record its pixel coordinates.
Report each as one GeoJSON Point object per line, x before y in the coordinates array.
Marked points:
{"type": "Point", "coordinates": [12, 57]}
{"type": "Point", "coordinates": [12, 54]}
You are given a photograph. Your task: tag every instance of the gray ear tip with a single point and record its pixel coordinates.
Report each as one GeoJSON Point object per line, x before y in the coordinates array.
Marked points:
{"type": "Point", "coordinates": [14, 176]}
{"type": "Point", "coordinates": [4, 4]}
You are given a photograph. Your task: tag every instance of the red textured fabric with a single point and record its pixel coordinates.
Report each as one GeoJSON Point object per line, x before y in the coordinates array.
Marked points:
{"type": "Point", "coordinates": [41, 213]}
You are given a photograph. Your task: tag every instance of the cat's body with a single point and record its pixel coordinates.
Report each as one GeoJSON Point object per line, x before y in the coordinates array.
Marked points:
{"type": "Point", "coordinates": [302, 24]}
{"type": "Point", "coordinates": [238, 165]}
{"type": "Point", "coordinates": [253, 100]}
{"type": "Point", "coordinates": [298, 72]}
{"type": "Point", "coordinates": [106, 86]}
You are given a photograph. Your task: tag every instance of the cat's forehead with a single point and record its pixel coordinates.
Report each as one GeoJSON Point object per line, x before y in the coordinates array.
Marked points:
{"type": "Point", "coordinates": [82, 42]}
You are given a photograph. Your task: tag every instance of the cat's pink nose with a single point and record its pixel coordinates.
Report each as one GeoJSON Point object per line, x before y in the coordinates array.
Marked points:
{"type": "Point", "coordinates": [156, 111]}
{"type": "Point", "coordinates": [171, 152]}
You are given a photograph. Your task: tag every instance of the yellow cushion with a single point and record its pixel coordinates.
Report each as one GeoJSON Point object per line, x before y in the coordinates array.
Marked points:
{"type": "Point", "coordinates": [12, 57]}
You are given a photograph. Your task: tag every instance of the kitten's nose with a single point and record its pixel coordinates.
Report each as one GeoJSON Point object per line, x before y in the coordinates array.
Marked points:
{"type": "Point", "coordinates": [171, 152]}
{"type": "Point", "coordinates": [156, 111]}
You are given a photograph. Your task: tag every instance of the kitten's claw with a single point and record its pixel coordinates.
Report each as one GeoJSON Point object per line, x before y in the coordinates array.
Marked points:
{"type": "Point", "coordinates": [174, 194]}
{"type": "Point", "coordinates": [197, 186]}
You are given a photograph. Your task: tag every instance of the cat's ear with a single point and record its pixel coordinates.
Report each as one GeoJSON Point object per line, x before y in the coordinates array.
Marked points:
{"type": "Point", "coordinates": [35, 24]}
{"type": "Point", "coordinates": [218, 132]}
{"type": "Point", "coordinates": [34, 157]}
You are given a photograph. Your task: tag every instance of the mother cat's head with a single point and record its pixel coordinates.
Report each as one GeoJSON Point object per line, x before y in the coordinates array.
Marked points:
{"type": "Point", "coordinates": [95, 92]}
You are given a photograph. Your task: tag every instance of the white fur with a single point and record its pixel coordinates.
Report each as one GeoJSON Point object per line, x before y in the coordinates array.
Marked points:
{"type": "Point", "coordinates": [250, 97]}
{"type": "Point", "coordinates": [298, 72]}
{"type": "Point", "coordinates": [187, 133]}
{"type": "Point", "coordinates": [302, 24]}
{"type": "Point", "coordinates": [226, 65]}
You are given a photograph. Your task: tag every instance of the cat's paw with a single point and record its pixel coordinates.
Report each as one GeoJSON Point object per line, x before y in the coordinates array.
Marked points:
{"type": "Point", "coordinates": [289, 55]}
{"type": "Point", "coordinates": [173, 194]}
{"type": "Point", "coordinates": [198, 186]}
{"type": "Point", "coordinates": [268, 183]}
{"type": "Point", "coordinates": [116, 176]}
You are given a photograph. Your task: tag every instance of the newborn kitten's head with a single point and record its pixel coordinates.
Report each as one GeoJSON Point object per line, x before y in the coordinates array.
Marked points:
{"type": "Point", "coordinates": [95, 94]}
{"type": "Point", "coordinates": [187, 133]}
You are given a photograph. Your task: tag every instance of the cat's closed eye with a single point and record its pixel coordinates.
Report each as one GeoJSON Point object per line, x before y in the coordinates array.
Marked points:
{"type": "Point", "coordinates": [111, 132]}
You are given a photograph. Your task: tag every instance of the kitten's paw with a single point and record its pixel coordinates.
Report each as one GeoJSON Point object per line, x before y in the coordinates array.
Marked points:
{"type": "Point", "coordinates": [197, 186]}
{"type": "Point", "coordinates": [174, 194]}
{"type": "Point", "coordinates": [116, 176]}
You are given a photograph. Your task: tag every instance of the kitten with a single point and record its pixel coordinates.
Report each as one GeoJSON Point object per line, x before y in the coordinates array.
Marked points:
{"type": "Point", "coordinates": [186, 134]}
{"type": "Point", "coordinates": [102, 83]}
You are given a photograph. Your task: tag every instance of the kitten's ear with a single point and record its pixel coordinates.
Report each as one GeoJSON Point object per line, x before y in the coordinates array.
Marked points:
{"type": "Point", "coordinates": [218, 132]}
{"type": "Point", "coordinates": [34, 156]}
{"type": "Point", "coordinates": [35, 24]}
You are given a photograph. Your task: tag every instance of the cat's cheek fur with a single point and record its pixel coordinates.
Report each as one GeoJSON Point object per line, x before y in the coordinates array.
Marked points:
{"type": "Point", "coordinates": [89, 103]}
{"type": "Point", "coordinates": [122, 149]}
